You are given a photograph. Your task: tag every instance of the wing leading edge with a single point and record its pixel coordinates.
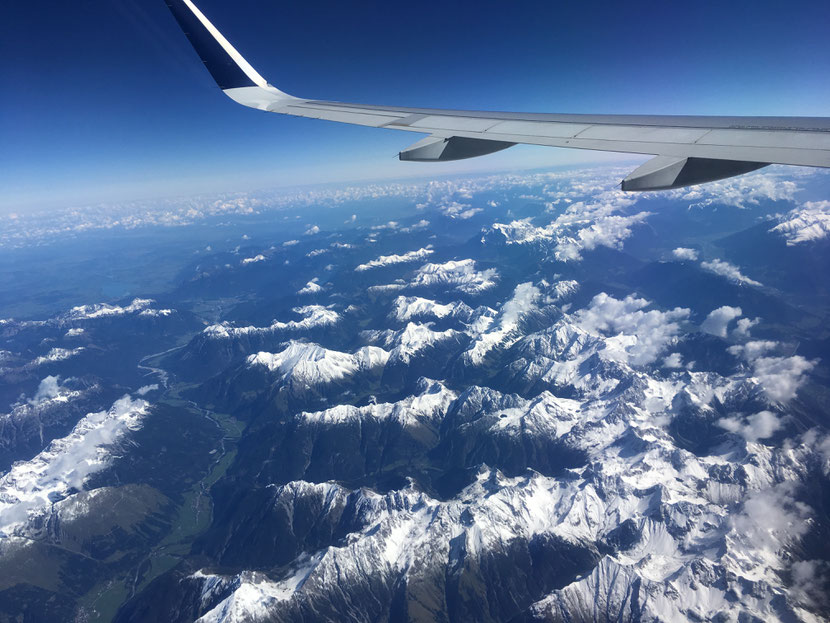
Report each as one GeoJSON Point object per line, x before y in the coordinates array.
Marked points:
{"type": "Point", "coordinates": [687, 150]}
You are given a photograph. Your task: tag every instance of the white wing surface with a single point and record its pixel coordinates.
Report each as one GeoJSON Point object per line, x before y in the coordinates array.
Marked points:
{"type": "Point", "coordinates": [687, 150]}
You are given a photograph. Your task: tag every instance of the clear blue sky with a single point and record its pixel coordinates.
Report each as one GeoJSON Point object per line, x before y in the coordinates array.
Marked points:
{"type": "Point", "coordinates": [105, 100]}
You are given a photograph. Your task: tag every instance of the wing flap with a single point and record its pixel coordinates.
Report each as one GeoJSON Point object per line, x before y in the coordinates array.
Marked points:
{"type": "Point", "coordinates": [768, 138]}
{"type": "Point", "coordinates": [535, 128]}
{"type": "Point", "coordinates": [643, 134]}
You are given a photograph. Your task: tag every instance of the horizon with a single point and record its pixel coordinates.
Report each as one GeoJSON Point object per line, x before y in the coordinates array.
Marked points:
{"type": "Point", "coordinates": [130, 113]}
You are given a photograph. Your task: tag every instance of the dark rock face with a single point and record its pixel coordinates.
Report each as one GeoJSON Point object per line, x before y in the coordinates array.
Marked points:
{"type": "Point", "coordinates": [453, 585]}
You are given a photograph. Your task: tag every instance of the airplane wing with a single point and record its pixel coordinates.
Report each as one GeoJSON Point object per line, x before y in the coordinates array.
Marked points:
{"type": "Point", "coordinates": [687, 150]}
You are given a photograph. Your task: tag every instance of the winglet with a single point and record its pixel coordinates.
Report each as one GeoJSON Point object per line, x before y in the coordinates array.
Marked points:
{"type": "Point", "coordinates": [227, 66]}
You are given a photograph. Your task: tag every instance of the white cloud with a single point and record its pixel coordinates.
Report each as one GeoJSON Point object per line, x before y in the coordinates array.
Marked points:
{"type": "Point", "coordinates": [290, 243]}
{"type": "Point", "coordinates": [254, 260]}
{"type": "Point", "coordinates": [759, 426]}
{"type": "Point", "coordinates": [584, 225]}
{"type": "Point", "coordinates": [146, 389]}
{"type": "Point", "coordinates": [314, 229]}
{"type": "Point", "coordinates": [609, 231]}
{"type": "Point", "coordinates": [808, 223]}
{"type": "Point", "coordinates": [422, 224]}
{"type": "Point", "coordinates": [810, 579]}
{"type": "Point", "coordinates": [388, 225]}
{"type": "Point", "coordinates": [730, 271]}
{"type": "Point", "coordinates": [639, 336]}
{"type": "Point", "coordinates": [771, 518]}
{"type": "Point", "coordinates": [752, 350]}
{"type": "Point", "coordinates": [781, 377]}
{"type": "Point", "coordinates": [744, 325]}
{"type": "Point", "coordinates": [456, 210]}
{"type": "Point", "coordinates": [49, 388]}
{"type": "Point", "coordinates": [683, 254]}
{"type": "Point", "coordinates": [388, 260]}
{"type": "Point", "coordinates": [675, 360]}
{"type": "Point", "coordinates": [742, 191]}
{"type": "Point", "coordinates": [75, 332]}
{"type": "Point", "coordinates": [717, 322]}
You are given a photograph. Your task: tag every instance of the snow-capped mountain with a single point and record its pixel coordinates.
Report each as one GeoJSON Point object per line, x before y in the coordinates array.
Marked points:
{"type": "Point", "coordinates": [524, 397]}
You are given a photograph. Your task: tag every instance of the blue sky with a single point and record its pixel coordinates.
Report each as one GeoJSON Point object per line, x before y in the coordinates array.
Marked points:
{"type": "Point", "coordinates": [105, 101]}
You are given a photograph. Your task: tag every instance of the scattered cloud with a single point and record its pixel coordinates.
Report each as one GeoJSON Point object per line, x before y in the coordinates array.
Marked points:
{"type": "Point", "coordinates": [754, 349]}
{"type": "Point", "coordinates": [683, 254]}
{"type": "Point", "coordinates": [744, 325]}
{"type": "Point", "coordinates": [312, 230]}
{"type": "Point", "coordinates": [641, 336]}
{"type": "Point", "coordinates": [254, 260]}
{"type": "Point", "coordinates": [759, 426]}
{"type": "Point", "coordinates": [730, 271]}
{"type": "Point", "coordinates": [740, 192]}
{"type": "Point", "coordinates": [810, 579]}
{"type": "Point", "coordinates": [717, 322]}
{"type": "Point", "coordinates": [388, 225]}
{"type": "Point", "coordinates": [456, 210]}
{"type": "Point", "coordinates": [48, 389]}
{"type": "Point", "coordinates": [771, 518]}
{"type": "Point", "coordinates": [146, 389]}
{"type": "Point", "coordinates": [781, 377]}
{"type": "Point", "coordinates": [422, 224]}
{"type": "Point", "coordinates": [583, 226]}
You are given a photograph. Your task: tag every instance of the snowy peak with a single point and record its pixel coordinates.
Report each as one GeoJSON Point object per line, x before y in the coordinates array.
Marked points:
{"type": "Point", "coordinates": [311, 364]}
{"type": "Point", "coordinates": [409, 308]}
{"type": "Point", "coordinates": [312, 316]}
